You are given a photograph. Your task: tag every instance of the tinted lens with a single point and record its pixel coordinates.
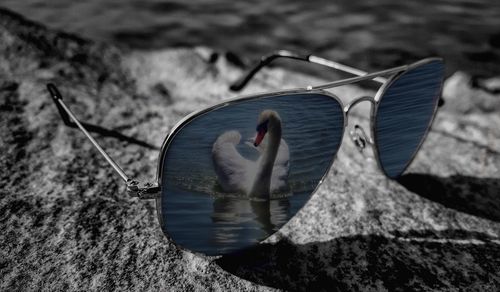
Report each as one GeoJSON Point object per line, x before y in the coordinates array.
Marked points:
{"type": "Point", "coordinates": [404, 114]}
{"type": "Point", "coordinates": [221, 193]}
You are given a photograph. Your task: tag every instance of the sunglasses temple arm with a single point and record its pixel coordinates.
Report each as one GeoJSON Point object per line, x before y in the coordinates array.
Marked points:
{"type": "Point", "coordinates": [148, 191]}
{"type": "Point", "coordinates": [94, 128]}
{"type": "Point", "coordinates": [266, 60]}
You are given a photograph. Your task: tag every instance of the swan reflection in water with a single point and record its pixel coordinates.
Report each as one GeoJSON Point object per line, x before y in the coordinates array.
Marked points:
{"type": "Point", "coordinates": [231, 213]}
{"type": "Point", "coordinates": [257, 179]}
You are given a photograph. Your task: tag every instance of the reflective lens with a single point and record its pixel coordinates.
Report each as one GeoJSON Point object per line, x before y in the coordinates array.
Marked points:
{"type": "Point", "coordinates": [234, 175]}
{"type": "Point", "coordinates": [404, 114]}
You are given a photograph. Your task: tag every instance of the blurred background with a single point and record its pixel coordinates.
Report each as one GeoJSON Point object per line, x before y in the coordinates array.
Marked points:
{"type": "Point", "coordinates": [365, 33]}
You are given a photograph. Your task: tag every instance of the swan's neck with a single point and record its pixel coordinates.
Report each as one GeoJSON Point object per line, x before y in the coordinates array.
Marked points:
{"type": "Point", "coordinates": [262, 183]}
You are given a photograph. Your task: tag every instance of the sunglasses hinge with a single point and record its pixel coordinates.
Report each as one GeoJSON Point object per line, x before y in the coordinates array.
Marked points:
{"type": "Point", "coordinates": [143, 191]}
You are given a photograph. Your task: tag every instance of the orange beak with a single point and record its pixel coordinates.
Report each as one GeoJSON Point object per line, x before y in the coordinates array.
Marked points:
{"type": "Point", "coordinates": [260, 136]}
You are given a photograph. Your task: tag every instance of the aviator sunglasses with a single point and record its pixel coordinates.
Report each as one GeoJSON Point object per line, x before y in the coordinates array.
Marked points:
{"type": "Point", "coordinates": [232, 174]}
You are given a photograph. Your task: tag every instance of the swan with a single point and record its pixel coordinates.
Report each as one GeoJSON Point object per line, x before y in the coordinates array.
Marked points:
{"type": "Point", "coordinates": [258, 179]}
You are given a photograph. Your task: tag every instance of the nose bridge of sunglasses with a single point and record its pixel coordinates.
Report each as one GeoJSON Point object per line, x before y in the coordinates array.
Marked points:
{"type": "Point", "coordinates": [347, 109]}
{"type": "Point", "coordinates": [356, 101]}
{"type": "Point", "coordinates": [357, 134]}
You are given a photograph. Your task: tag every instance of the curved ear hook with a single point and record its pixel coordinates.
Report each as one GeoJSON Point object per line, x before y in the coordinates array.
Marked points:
{"type": "Point", "coordinates": [265, 61]}
{"type": "Point", "coordinates": [56, 96]}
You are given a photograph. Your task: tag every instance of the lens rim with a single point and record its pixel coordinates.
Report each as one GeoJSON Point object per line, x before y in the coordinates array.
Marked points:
{"type": "Point", "coordinates": [192, 116]}
{"type": "Point", "coordinates": [378, 99]}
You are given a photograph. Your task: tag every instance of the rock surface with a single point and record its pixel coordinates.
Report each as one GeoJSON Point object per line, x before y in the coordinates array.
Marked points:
{"type": "Point", "coordinates": [68, 225]}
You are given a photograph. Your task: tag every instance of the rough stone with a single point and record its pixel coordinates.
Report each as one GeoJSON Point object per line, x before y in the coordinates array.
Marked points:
{"type": "Point", "coordinates": [68, 225]}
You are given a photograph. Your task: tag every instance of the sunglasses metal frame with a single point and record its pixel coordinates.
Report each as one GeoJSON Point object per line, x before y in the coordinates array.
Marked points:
{"type": "Point", "coordinates": [153, 191]}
